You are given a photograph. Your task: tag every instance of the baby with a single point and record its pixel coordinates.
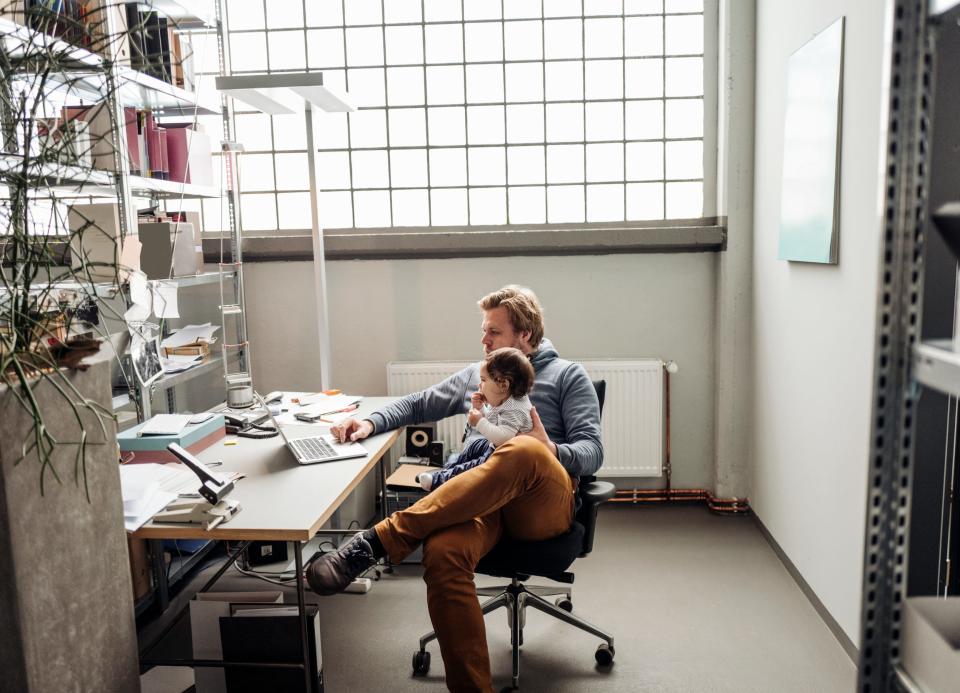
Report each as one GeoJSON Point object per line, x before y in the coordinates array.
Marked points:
{"type": "Point", "coordinates": [499, 411]}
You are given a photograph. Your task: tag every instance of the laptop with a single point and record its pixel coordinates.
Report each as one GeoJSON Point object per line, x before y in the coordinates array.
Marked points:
{"type": "Point", "coordinates": [315, 449]}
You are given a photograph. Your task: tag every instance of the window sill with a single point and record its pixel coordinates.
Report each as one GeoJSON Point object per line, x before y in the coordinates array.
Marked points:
{"type": "Point", "coordinates": [675, 236]}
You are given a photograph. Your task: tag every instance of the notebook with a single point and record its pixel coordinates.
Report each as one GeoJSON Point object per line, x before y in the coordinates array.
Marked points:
{"type": "Point", "coordinates": [314, 449]}
{"type": "Point", "coordinates": [165, 424]}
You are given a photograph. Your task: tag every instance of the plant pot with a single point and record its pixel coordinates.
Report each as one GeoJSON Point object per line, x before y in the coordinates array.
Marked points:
{"type": "Point", "coordinates": [65, 591]}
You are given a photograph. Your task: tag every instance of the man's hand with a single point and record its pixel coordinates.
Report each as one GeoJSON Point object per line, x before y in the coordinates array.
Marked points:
{"type": "Point", "coordinates": [351, 430]}
{"type": "Point", "coordinates": [473, 418]}
{"type": "Point", "coordinates": [540, 433]}
{"type": "Point", "coordinates": [476, 401]}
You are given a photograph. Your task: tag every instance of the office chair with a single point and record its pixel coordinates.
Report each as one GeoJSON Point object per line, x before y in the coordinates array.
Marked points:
{"type": "Point", "coordinates": [519, 560]}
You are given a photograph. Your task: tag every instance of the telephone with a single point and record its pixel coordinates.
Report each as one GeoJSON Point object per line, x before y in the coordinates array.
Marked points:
{"type": "Point", "coordinates": [234, 422]}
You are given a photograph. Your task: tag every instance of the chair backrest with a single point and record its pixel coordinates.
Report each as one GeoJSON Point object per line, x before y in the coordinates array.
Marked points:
{"type": "Point", "coordinates": [591, 491]}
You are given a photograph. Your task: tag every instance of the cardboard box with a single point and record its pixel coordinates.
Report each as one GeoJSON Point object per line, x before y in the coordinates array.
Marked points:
{"type": "Point", "coordinates": [139, 567]}
{"type": "Point", "coordinates": [195, 349]}
{"type": "Point", "coordinates": [95, 243]}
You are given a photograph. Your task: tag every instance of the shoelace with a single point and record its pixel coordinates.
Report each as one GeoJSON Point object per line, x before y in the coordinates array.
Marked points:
{"type": "Point", "coordinates": [357, 557]}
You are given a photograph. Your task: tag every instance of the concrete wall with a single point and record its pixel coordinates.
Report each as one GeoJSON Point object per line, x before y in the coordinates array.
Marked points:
{"type": "Point", "coordinates": [814, 324]}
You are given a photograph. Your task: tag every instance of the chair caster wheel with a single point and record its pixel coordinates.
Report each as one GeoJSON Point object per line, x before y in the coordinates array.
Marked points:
{"type": "Point", "coordinates": [421, 662]}
{"type": "Point", "coordinates": [604, 654]}
{"type": "Point", "coordinates": [564, 604]}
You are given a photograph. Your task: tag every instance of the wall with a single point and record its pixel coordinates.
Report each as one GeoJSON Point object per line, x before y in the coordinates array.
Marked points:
{"type": "Point", "coordinates": [612, 306]}
{"type": "Point", "coordinates": [814, 324]}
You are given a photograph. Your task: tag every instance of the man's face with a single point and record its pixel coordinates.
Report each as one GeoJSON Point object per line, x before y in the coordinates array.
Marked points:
{"type": "Point", "coordinates": [498, 332]}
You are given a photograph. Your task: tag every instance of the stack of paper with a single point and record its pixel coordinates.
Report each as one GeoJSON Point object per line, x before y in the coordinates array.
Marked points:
{"type": "Point", "coordinates": [321, 404]}
{"type": "Point", "coordinates": [190, 334]}
{"type": "Point", "coordinates": [143, 494]}
{"type": "Point", "coordinates": [176, 363]}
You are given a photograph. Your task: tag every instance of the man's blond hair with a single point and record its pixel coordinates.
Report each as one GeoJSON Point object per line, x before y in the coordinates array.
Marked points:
{"type": "Point", "coordinates": [522, 306]}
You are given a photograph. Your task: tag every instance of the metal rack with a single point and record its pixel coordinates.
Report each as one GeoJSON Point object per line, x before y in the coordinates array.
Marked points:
{"type": "Point", "coordinates": [916, 362]}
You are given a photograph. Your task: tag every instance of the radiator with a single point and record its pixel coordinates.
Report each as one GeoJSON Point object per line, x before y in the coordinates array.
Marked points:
{"type": "Point", "coordinates": [633, 412]}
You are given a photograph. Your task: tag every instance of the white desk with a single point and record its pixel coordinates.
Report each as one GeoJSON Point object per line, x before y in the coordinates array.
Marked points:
{"type": "Point", "coordinates": [280, 501]}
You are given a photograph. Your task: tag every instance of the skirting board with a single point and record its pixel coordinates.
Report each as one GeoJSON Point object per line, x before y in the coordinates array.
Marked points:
{"type": "Point", "coordinates": [852, 652]}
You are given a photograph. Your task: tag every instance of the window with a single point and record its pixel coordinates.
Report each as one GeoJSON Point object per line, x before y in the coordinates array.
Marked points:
{"type": "Point", "coordinates": [480, 112]}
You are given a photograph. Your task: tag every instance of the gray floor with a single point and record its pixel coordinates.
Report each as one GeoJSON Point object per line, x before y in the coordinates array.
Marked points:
{"type": "Point", "coordinates": [695, 601]}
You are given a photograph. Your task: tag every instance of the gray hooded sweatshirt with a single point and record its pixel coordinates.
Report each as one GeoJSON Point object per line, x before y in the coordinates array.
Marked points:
{"type": "Point", "coordinates": [562, 393]}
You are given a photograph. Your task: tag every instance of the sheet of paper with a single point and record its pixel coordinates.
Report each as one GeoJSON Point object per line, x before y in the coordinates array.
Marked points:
{"type": "Point", "coordinates": [327, 404]}
{"type": "Point", "coordinates": [190, 334]}
{"type": "Point", "coordinates": [159, 501]}
{"type": "Point", "coordinates": [165, 300]}
{"type": "Point", "coordinates": [136, 313]}
{"type": "Point", "coordinates": [140, 290]}
{"type": "Point", "coordinates": [170, 365]}
{"type": "Point", "coordinates": [135, 478]}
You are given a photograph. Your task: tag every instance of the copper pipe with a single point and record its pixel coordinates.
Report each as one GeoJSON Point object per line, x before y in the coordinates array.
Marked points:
{"type": "Point", "coordinates": [666, 462]}
{"type": "Point", "coordinates": [679, 495]}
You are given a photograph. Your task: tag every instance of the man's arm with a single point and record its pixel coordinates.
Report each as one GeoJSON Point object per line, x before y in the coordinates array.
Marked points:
{"type": "Point", "coordinates": [433, 404]}
{"type": "Point", "coordinates": [581, 452]}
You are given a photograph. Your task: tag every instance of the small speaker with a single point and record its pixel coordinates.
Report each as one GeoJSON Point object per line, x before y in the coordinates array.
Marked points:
{"type": "Point", "coordinates": [436, 453]}
{"type": "Point", "coordinates": [418, 440]}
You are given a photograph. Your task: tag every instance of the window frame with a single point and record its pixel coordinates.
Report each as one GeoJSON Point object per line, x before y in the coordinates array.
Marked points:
{"type": "Point", "coordinates": [704, 234]}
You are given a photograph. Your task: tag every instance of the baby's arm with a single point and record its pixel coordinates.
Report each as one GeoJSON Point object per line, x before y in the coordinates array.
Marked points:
{"type": "Point", "coordinates": [498, 435]}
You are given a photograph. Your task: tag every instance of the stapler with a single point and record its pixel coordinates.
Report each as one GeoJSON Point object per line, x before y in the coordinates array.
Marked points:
{"type": "Point", "coordinates": [194, 512]}
{"type": "Point", "coordinates": [211, 511]}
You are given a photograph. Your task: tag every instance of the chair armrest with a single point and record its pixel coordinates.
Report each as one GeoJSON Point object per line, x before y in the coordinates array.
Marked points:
{"type": "Point", "coordinates": [597, 492]}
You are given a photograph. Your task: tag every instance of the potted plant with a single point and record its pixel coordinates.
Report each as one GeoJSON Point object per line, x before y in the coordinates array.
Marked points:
{"type": "Point", "coordinates": [65, 587]}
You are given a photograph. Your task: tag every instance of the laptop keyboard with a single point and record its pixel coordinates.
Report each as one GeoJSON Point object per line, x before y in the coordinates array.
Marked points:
{"type": "Point", "coordinates": [313, 448]}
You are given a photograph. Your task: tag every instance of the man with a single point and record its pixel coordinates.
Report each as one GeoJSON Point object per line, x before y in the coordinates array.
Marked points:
{"type": "Point", "coordinates": [526, 488]}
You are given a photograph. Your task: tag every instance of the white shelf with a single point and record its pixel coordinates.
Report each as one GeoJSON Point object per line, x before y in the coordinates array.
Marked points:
{"type": "Point", "coordinates": [67, 182]}
{"type": "Point", "coordinates": [55, 174]}
{"type": "Point", "coordinates": [20, 41]}
{"type": "Point", "coordinates": [285, 93]}
{"type": "Point", "coordinates": [169, 189]}
{"type": "Point", "coordinates": [936, 364]}
{"type": "Point", "coordinates": [188, 14]}
{"type": "Point", "coordinates": [84, 75]}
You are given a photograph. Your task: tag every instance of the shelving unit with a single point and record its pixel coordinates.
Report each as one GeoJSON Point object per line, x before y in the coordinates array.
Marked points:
{"type": "Point", "coordinates": [84, 78]}
{"type": "Point", "coordinates": [912, 524]}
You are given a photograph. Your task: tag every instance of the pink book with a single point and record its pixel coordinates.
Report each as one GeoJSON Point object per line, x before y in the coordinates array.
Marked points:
{"type": "Point", "coordinates": [164, 165]}
{"type": "Point", "coordinates": [177, 162]}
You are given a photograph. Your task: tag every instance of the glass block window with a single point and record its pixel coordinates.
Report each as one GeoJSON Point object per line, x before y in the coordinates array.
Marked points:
{"type": "Point", "coordinates": [478, 112]}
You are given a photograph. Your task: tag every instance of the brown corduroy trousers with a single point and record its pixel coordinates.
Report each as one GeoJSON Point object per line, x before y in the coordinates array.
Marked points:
{"type": "Point", "coordinates": [522, 490]}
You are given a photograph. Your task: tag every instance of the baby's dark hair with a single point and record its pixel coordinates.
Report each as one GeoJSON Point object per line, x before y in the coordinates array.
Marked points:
{"type": "Point", "coordinates": [513, 366]}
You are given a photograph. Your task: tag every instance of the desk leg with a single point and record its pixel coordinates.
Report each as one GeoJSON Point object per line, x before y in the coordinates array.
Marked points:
{"type": "Point", "coordinates": [302, 611]}
{"type": "Point", "coordinates": [155, 546]}
{"type": "Point", "coordinates": [173, 622]}
{"type": "Point", "coordinates": [387, 566]}
{"type": "Point", "coordinates": [383, 487]}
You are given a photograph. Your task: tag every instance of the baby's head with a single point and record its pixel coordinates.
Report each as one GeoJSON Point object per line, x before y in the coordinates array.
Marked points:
{"type": "Point", "coordinates": [510, 370]}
